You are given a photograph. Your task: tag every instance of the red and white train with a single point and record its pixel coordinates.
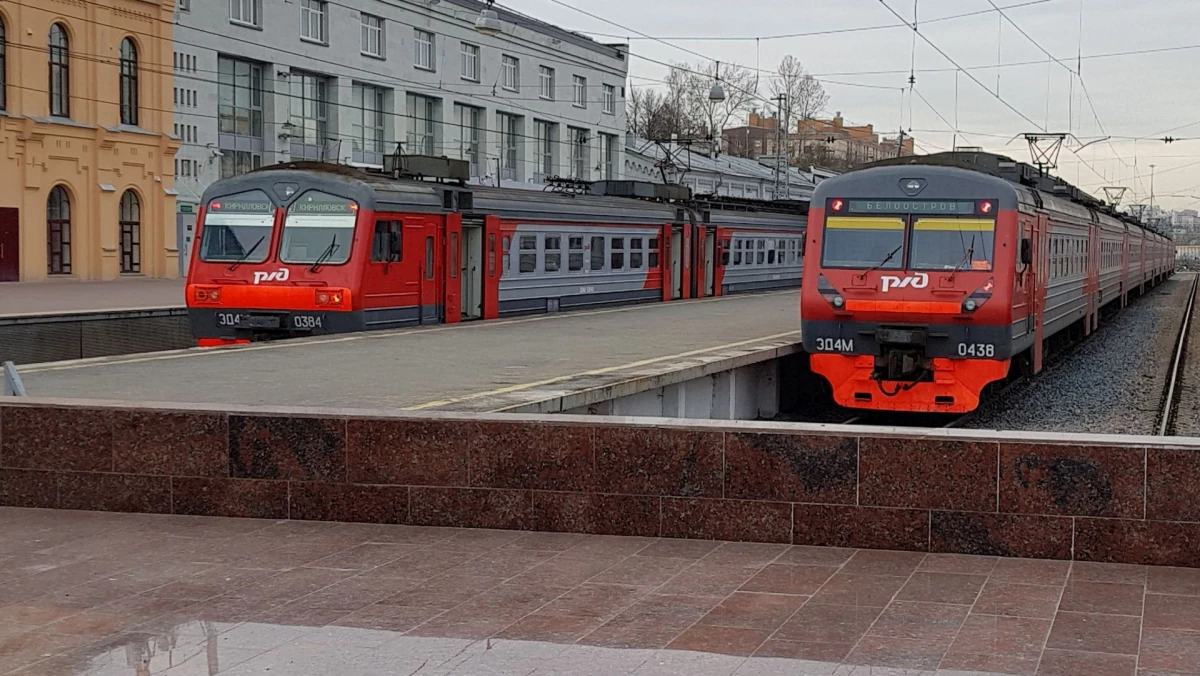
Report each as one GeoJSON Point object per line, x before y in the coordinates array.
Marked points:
{"type": "Point", "coordinates": [928, 278]}
{"type": "Point", "coordinates": [310, 248]}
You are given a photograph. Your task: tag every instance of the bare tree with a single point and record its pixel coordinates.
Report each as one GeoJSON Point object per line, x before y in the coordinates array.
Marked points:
{"type": "Point", "coordinates": [805, 97]}
{"type": "Point", "coordinates": [741, 90]}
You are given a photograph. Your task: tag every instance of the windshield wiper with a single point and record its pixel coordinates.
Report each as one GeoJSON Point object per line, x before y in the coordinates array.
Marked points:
{"type": "Point", "coordinates": [970, 256]}
{"type": "Point", "coordinates": [248, 254]}
{"type": "Point", "coordinates": [885, 261]}
{"type": "Point", "coordinates": [325, 255]}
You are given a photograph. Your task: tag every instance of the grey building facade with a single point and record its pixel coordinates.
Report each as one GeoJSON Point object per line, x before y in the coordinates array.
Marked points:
{"type": "Point", "coordinates": [259, 82]}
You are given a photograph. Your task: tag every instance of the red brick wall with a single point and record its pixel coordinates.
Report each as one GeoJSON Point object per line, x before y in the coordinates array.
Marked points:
{"type": "Point", "coordinates": [1134, 501]}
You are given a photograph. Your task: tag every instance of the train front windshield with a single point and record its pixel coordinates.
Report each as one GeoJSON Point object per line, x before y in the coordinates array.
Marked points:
{"type": "Point", "coordinates": [238, 228]}
{"type": "Point", "coordinates": [952, 244]}
{"type": "Point", "coordinates": [319, 228]}
{"type": "Point", "coordinates": [861, 242]}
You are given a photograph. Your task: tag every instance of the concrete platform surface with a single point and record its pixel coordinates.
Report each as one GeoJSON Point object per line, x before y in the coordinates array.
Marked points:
{"type": "Point", "coordinates": [479, 367]}
{"type": "Point", "coordinates": [71, 296]}
{"type": "Point", "coordinates": [102, 594]}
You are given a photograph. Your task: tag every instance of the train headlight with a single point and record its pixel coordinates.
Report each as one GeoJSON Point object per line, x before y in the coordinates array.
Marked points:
{"type": "Point", "coordinates": [839, 302]}
{"type": "Point", "coordinates": [970, 305]}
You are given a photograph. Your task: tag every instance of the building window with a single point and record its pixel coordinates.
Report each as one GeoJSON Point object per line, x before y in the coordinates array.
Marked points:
{"type": "Point", "coordinates": [238, 162]}
{"type": "Point", "coordinates": [239, 97]}
{"type": "Point", "coordinates": [510, 133]}
{"type": "Point", "coordinates": [60, 72]}
{"type": "Point", "coordinates": [310, 109]}
{"type": "Point", "coordinates": [470, 62]}
{"type": "Point", "coordinates": [3, 70]}
{"type": "Point", "coordinates": [512, 73]}
{"type": "Point", "coordinates": [608, 153]}
{"type": "Point", "coordinates": [312, 20]}
{"type": "Point", "coordinates": [470, 120]}
{"type": "Point", "coordinates": [579, 154]}
{"type": "Point", "coordinates": [424, 57]}
{"type": "Point", "coordinates": [580, 90]}
{"type": "Point", "coordinates": [58, 232]}
{"type": "Point", "coordinates": [610, 99]}
{"type": "Point", "coordinates": [368, 124]}
{"type": "Point", "coordinates": [131, 233]}
{"type": "Point", "coordinates": [546, 78]}
{"type": "Point", "coordinates": [422, 118]}
{"type": "Point", "coordinates": [129, 83]}
{"type": "Point", "coordinates": [247, 12]}
{"type": "Point", "coordinates": [546, 133]}
{"type": "Point", "coordinates": [372, 36]}
{"type": "Point", "coordinates": [185, 5]}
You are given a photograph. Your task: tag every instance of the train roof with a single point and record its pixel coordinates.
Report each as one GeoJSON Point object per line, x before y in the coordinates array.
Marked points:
{"type": "Point", "coordinates": [381, 192]}
{"type": "Point", "coordinates": [1023, 176]}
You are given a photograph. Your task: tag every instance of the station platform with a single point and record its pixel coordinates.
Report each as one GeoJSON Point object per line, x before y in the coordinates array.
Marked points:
{"type": "Point", "coordinates": [70, 296]}
{"type": "Point", "coordinates": [570, 359]}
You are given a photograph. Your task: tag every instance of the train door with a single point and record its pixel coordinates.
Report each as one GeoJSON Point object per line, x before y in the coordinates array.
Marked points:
{"type": "Point", "coordinates": [1041, 263]}
{"type": "Point", "coordinates": [710, 261]}
{"type": "Point", "coordinates": [452, 296]}
{"type": "Point", "coordinates": [10, 245]}
{"type": "Point", "coordinates": [471, 272]}
{"type": "Point", "coordinates": [431, 287]}
{"type": "Point", "coordinates": [676, 257]}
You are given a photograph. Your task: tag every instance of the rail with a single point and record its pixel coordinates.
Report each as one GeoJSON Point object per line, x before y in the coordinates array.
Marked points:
{"type": "Point", "coordinates": [1170, 402]}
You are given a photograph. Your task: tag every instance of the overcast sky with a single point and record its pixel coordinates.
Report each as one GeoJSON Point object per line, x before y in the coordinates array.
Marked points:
{"type": "Point", "coordinates": [1134, 95]}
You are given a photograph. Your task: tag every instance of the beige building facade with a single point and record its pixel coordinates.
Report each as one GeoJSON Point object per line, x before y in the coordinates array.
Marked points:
{"type": "Point", "coordinates": [86, 160]}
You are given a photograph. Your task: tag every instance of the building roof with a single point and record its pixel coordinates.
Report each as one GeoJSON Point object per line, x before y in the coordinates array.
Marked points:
{"type": "Point", "coordinates": [537, 25]}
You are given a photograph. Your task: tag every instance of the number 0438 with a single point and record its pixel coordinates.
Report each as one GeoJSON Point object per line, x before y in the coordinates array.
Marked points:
{"type": "Point", "coordinates": [976, 350]}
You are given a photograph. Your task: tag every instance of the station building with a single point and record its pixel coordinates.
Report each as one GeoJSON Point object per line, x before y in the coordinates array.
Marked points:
{"type": "Point", "coordinates": [86, 190]}
{"type": "Point", "coordinates": [258, 82]}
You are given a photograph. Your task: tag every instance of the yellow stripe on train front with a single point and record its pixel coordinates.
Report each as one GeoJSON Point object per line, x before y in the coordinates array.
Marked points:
{"type": "Point", "coordinates": [863, 223]}
{"type": "Point", "coordinates": [955, 224]}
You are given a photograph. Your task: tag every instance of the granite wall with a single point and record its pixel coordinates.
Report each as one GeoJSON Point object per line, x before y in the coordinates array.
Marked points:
{"type": "Point", "coordinates": [1117, 499]}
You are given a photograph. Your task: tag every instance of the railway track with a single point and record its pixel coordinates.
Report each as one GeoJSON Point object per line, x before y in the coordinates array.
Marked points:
{"type": "Point", "coordinates": [1176, 385]}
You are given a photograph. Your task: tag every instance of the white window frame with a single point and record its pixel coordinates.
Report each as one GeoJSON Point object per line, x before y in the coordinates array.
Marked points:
{"type": "Point", "coordinates": [424, 46]}
{"type": "Point", "coordinates": [579, 91]}
{"type": "Point", "coordinates": [469, 61]}
{"type": "Point", "coordinates": [578, 153]}
{"type": "Point", "coordinates": [545, 133]}
{"type": "Point", "coordinates": [372, 28]}
{"type": "Point", "coordinates": [369, 113]}
{"type": "Point", "coordinates": [422, 125]}
{"type": "Point", "coordinates": [246, 12]}
{"type": "Point", "coordinates": [469, 120]}
{"type": "Point", "coordinates": [511, 69]}
{"type": "Point", "coordinates": [610, 99]}
{"type": "Point", "coordinates": [313, 15]}
{"type": "Point", "coordinates": [185, 5]}
{"type": "Point", "coordinates": [546, 83]}
{"type": "Point", "coordinates": [509, 127]}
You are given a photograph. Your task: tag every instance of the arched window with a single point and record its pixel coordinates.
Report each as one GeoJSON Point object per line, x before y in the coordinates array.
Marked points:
{"type": "Point", "coordinates": [60, 72]}
{"type": "Point", "coordinates": [58, 232]}
{"type": "Point", "coordinates": [129, 83]}
{"type": "Point", "coordinates": [131, 233]}
{"type": "Point", "coordinates": [3, 70]}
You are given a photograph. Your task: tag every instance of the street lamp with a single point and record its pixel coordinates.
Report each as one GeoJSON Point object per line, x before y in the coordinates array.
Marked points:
{"type": "Point", "coordinates": [717, 93]}
{"type": "Point", "coordinates": [488, 22]}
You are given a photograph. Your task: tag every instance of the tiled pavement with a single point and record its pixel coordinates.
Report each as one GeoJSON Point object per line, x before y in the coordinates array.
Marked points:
{"type": "Point", "coordinates": [93, 594]}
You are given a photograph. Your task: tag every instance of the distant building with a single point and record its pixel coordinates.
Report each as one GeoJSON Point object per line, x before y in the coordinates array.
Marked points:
{"type": "Point", "coordinates": [724, 175]}
{"type": "Point", "coordinates": [815, 141]}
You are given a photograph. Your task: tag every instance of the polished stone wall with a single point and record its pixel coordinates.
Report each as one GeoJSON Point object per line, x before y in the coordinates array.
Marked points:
{"type": "Point", "coordinates": [1115, 499]}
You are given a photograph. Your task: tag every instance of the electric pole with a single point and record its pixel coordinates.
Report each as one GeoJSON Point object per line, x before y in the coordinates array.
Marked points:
{"type": "Point", "coordinates": [778, 127]}
{"type": "Point", "coordinates": [1152, 166]}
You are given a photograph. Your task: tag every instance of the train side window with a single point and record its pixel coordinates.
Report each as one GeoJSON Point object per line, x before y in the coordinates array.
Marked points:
{"type": "Point", "coordinates": [428, 258]}
{"type": "Point", "coordinates": [575, 254]}
{"type": "Point", "coordinates": [505, 251]}
{"type": "Point", "coordinates": [553, 259]}
{"type": "Point", "coordinates": [771, 256]}
{"type": "Point", "coordinates": [762, 253]}
{"type": "Point", "coordinates": [635, 253]}
{"type": "Point", "coordinates": [653, 257]}
{"type": "Point", "coordinates": [597, 253]}
{"type": "Point", "coordinates": [527, 257]}
{"type": "Point", "coordinates": [618, 254]}
{"type": "Point", "coordinates": [737, 252]}
{"type": "Point", "coordinates": [388, 244]}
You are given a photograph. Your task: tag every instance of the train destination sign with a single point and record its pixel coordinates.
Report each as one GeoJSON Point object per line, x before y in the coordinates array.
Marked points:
{"type": "Point", "coordinates": [949, 207]}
